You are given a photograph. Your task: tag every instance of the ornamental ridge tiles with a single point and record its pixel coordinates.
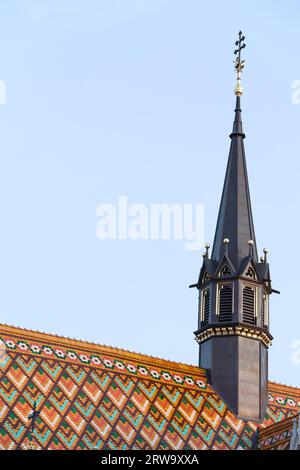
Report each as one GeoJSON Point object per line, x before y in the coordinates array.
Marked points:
{"type": "Point", "coordinates": [83, 353]}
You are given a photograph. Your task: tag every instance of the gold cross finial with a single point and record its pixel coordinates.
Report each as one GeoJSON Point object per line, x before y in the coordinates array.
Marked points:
{"type": "Point", "coordinates": [238, 63]}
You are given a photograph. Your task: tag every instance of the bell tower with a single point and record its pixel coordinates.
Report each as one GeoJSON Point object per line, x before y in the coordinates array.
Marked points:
{"type": "Point", "coordinates": [234, 288]}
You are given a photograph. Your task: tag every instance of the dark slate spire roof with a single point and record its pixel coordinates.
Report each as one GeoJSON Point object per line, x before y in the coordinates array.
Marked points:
{"type": "Point", "coordinates": [235, 219]}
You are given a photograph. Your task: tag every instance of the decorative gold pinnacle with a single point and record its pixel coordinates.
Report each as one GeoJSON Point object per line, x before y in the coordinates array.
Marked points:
{"type": "Point", "coordinates": [239, 64]}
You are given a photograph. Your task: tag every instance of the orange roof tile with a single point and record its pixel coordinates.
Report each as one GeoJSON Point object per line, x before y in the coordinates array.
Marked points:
{"type": "Point", "coordinates": [93, 396]}
{"type": "Point", "coordinates": [276, 436]}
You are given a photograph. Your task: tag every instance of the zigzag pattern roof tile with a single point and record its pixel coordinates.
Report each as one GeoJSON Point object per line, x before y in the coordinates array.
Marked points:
{"type": "Point", "coordinates": [91, 396]}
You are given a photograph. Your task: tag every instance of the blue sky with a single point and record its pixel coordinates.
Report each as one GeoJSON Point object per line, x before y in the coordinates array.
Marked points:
{"type": "Point", "coordinates": [109, 98]}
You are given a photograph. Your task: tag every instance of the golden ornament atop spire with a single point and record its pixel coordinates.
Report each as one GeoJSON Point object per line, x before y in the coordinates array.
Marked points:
{"type": "Point", "coordinates": [239, 64]}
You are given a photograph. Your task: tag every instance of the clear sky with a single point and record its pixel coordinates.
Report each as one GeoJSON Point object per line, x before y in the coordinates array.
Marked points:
{"type": "Point", "coordinates": [107, 98]}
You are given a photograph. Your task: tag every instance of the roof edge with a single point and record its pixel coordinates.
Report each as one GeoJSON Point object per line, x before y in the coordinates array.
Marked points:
{"type": "Point", "coordinates": [279, 387]}
{"type": "Point", "coordinates": [90, 346]}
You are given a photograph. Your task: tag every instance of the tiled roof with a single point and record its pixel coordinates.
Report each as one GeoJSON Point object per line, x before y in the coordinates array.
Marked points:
{"type": "Point", "coordinates": [91, 396]}
{"type": "Point", "coordinates": [277, 436]}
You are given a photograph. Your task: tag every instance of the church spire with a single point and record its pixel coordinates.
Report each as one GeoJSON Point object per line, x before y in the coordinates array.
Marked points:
{"type": "Point", "coordinates": [235, 220]}
{"type": "Point", "coordinates": [234, 289]}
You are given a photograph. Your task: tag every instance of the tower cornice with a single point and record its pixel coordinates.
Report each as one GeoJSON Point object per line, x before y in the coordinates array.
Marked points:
{"type": "Point", "coordinates": [234, 329]}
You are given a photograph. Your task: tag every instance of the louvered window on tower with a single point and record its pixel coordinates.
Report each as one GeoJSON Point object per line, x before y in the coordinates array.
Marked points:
{"type": "Point", "coordinates": [225, 303]}
{"type": "Point", "coordinates": [249, 314]}
{"type": "Point", "coordinates": [205, 307]}
{"type": "Point", "coordinates": [265, 307]}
